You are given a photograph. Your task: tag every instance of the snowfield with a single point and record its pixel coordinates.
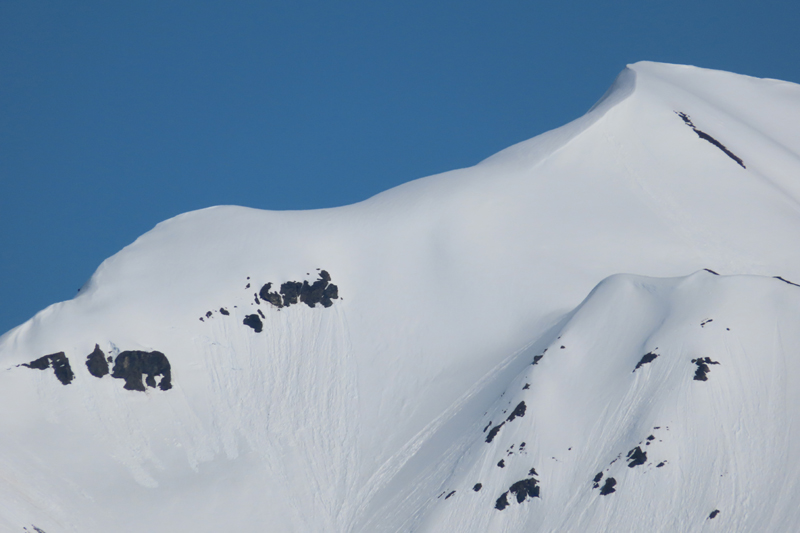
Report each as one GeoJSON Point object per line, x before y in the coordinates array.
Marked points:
{"type": "Point", "coordinates": [594, 330]}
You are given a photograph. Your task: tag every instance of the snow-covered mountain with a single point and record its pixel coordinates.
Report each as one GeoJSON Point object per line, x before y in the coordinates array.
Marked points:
{"type": "Point", "coordinates": [530, 344]}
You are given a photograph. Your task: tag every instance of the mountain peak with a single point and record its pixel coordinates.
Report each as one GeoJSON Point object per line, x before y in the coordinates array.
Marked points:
{"type": "Point", "coordinates": [471, 351]}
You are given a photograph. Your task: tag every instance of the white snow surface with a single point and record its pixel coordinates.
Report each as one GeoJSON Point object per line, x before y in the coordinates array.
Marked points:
{"type": "Point", "coordinates": [365, 416]}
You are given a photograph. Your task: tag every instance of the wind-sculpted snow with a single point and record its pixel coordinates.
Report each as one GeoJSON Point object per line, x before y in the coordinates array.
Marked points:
{"type": "Point", "coordinates": [442, 365]}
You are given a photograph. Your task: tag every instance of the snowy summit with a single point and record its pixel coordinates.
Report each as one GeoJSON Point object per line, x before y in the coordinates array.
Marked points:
{"type": "Point", "coordinates": [593, 330]}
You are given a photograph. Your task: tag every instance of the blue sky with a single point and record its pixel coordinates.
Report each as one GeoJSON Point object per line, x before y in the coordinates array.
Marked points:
{"type": "Point", "coordinates": [117, 115]}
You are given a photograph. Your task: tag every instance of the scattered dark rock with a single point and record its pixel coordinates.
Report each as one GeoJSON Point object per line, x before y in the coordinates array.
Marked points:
{"type": "Point", "coordinates": [597, 479]}
{"type": "Point", "coordinates": [522, 446]}
{"type": "Point", "coordinates": [96, 362]}
{"type": "Point", "coordinates": [254, 322]}
{"type": "Point", "coordinates": [646, 358]}
{"type": "Point", "coordinates": [477, 487]}
{"type": "Point", "coordinates": [608, 487]}
{"type": "Point", "coordinates": [563, 347]}
{"type": "Point", "coordinates": [224, 311]}
{"type": "Point", "coordinates": [713, 514]}
{"type": "Point", "coordinates": [704, 322]}
{"type": "Point", "coordinates": [501, 463]}
{"type": "Point", "coordinates": [255, 296]}
{"type": "Point", "coordinates": [527, 386]}
{"type": "Point", "coordinates": [702, 368]}
{"type": "Point", "coordinates": [493, 432]}
{"type": "Point", "coordinates": [60, 365]}
{"type": "Point", "coordinates": [132, 365]}
{"type": "Point", "coordinates": [519, 411]}
{"type": "Point", "coordinates": [208, 315]}
{"type": "Point", "coordinates": [532, 472]}
{"type": "Point", "coordinates": [636, 457]}
{"type": "Point", "coordinates": [537, 358]}
{"type": "Point", "coordinates": [651, 437]}
{"type": "Point", "coordinates": [662, 463]}
{"type": "Point", "coordinates": [502, 501]}
{"type": "Point", "coordinates": [709, 270]}
{"type": "Point", "coordinates": [449, 495]}
{"type": "Point", "coordinates": [705, 136]}
{"type": "Point", "coordinates": [525, 488]}
{"type": "Point", "coordinates": [487, 426]}
{"type": "Point", "coordinates": [261, 314]}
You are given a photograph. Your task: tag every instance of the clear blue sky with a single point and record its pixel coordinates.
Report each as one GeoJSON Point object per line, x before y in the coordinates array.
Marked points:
{"type": "Point", "coordinates": [117, 115]}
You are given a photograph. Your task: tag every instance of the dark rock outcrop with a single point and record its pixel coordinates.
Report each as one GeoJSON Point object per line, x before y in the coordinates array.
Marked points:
{"type": "Point", "coordinates": [254, 322]}
{"type": "Point", "coordinates": [60, 365]}
{"type": "Point", "coordinates": [608, 487]}
{"type": "Point", "coordinates": [96, 362]}
{"type": "Point", "coordinates": [702, 368]}
{"type": "Point", "coordinates": [133, 365]}
{"type": "Point", "coordinates": [636, 457]}
{"type": "Point", "coordinates": [519, 411]}
{"type": "Point", "coordinates": [646, 358]}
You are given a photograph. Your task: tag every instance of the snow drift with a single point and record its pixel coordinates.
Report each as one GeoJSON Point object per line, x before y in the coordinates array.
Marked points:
{"type": "Point", "coordinates": [371, 367]}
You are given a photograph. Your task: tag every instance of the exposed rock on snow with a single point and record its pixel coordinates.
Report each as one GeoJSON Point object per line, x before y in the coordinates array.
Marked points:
{"type": "Point", "coordinates": [133, 365]}
{"type": "Point", "coordinates": [60, 365]}
{"type": "Point", "coordinates": [96, 362]}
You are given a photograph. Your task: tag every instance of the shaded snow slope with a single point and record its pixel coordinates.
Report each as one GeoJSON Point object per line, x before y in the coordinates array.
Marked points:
{"type": "Point", "coordinates": [429, 301]}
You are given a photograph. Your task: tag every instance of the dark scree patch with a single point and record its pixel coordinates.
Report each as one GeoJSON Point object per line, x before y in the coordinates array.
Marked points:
{"type": "Point", "coordinates": [713, 514]}
{"type": "Point", "coordinates": [477, 487]}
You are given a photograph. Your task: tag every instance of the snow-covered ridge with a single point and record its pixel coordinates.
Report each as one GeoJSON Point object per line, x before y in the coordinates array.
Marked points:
{"type": "Point", "coordinates": [365, 411]}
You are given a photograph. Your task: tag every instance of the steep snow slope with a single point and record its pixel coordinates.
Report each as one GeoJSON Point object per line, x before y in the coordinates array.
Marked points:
{"type": "Point", "coordinates": [659, 402]}
{"type": "Point", "coordinates": [356, 416]}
